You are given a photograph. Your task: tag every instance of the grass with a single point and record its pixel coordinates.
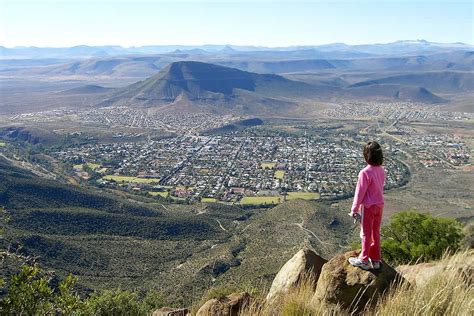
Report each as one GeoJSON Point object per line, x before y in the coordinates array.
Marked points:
{"type": "Point", "coordinates": [102, 170]}
{"type": "Point", "coordinates": [448, 293]}
{"type": "Point", "coordinates": [130, 179]}
{"type": "Point", "coordinates": [162, 194]}
{"type": "Point", "coordinates": [93, 166]}
{"type": "Point", "coordinates": [208, 200]}
{"type": "Point", "coordinates": [279, 174]}
{"type": "Point", "coordinates": [259, 200]}
{"type": "Point", "coordinates": [182, 187]}
{"type": "Point", "coordinates": [2, 144]}
{"type": "Point", "coordinates": [174, 198]}
{"type": "Point", "coordinates": [302, 195]}
{"type": "Point", "coordinates": [295, 303]}
{"type": "Point", "coordinates": [268, 165]}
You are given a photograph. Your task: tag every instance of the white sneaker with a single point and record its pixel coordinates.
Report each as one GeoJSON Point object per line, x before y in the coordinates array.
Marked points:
{"type": "Point", "coordinates": [376, 264]}
{"type": "Point", "coordinates": [357, 262]}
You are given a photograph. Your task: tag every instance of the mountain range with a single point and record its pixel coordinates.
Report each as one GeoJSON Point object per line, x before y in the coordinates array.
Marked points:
{"type": "Point", "coordinates": [84, 51]}
{"type": "Point", "coordinates": [142, 66]}
{"type": "Point", "coordinates": [290, 81]}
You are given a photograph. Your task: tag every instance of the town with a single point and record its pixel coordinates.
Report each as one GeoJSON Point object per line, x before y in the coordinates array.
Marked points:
{"type": "Point", "coordinates": [238, 168]}
{"type": "Point", "coordinates": [254, 166]}
{"type": "Point", "coordinates": [400, 111]}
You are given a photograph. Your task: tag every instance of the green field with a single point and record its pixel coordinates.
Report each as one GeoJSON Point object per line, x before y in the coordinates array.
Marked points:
{"type": "Point", "coordinates": [130, 179]}
{"type": "Point", "coordinates": [279, 174]}
{"type": "Point", "coordinates": [174, 198]}
{"type": "Point", "coordinates": [302, 195]}
{"type": "Point", "coordinates": [267, 165]}
{"type": "Point", "coordinates": [102, 170]}
{"type": "Point", "coordinates": [208, 200]}
{"type": "Point", "coordinates": [163, 187]}
{"type": "Point", "coordinates": [93, 166]}
{"type": "Point", "coordinates": [259, 200]}
{"type": "Point", "coordinates": [162, 194]}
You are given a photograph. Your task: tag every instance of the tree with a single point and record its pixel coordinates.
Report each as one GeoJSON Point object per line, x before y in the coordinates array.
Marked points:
{"type": "Point", "coordinates": [412, 236]}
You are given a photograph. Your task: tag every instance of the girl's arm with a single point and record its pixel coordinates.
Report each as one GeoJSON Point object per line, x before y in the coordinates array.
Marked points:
{"type": "Point", "coordinates": [361, 189]}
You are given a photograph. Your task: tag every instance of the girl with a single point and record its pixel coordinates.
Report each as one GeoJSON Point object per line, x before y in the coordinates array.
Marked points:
{"type": "Point", "coordinates": [368, 207]}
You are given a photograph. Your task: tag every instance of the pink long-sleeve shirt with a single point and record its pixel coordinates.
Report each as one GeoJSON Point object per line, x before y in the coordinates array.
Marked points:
{"type": "Point", "coordinates": [369, 189]}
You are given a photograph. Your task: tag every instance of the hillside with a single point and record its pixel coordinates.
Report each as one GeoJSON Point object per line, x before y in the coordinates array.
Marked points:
{"type": "Point", "coordinates": [196, 87]}
{"type": "Point", "coordinates": [199, 245]}
{"type": "Point", "coordinates": [281, 66]}
{"type": "Point", "coordinates": [201, 87]}
{"type": "Point", "coordinates": [87, 89]}
{"type": "Point", "coordinates": [391, 92]}
{"type": "Point", "coordinates": [446, 81]}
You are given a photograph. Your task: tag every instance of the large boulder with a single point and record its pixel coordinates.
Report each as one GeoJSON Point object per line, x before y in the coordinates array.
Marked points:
{"type": "Point", "coordinates": [305, 263]}
{"type": "Point", "coordinates": [420, 274]}
{"type": "Point", "coordinates": [169, 311]}
{"type": "Point", "coordinates": [351, 287]}
{"type": "Point", "coordinates": [230, 305]}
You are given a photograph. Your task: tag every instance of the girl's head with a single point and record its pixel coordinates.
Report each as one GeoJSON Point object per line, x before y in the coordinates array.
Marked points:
{"type": "Point", "coordinates": [373, 154]}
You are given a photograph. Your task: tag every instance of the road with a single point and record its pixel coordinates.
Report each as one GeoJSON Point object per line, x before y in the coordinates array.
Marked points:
{"type": "Point", "coordinates": [181, 165]}
{"type": "Point", "coordinates": [323, 243]}
{"type": "Point", "coordinates": [219, 222]}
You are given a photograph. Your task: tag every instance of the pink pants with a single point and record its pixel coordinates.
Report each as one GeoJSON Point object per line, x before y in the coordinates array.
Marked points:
{"type": "Point", "coordinates": [370, 233]}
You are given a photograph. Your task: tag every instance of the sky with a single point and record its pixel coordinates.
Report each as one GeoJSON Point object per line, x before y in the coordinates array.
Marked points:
{"type": "Point", "coordinates": [272, 23]}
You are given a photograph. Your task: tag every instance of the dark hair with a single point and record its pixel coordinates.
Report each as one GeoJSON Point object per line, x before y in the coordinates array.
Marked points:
{"type": "Point", "coordinates": [373, 154]}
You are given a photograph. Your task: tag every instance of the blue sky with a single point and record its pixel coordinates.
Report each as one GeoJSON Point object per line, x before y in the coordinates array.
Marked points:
{"type": "Point", "coordinates": [262, 22]}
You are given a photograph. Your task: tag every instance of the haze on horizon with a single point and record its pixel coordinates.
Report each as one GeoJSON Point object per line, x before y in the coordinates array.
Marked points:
{"type": "Point", "coordinates": [259, 23]}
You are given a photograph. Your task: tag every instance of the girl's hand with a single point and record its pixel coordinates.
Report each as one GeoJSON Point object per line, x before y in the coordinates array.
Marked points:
{"type": "Point", "coordinates": [355, 216]}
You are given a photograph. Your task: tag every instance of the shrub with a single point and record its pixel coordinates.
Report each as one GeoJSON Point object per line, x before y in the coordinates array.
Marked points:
{"type": "Point", "coordinates": [114, 302]}
{"type": "Point", "coordinates": [30, 294]}
{"type": "Point", "coordinates": [412, 236]}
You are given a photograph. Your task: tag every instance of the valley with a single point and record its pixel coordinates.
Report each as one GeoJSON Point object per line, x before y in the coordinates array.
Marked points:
{"type": "Point", "coordinates": [184, 170]}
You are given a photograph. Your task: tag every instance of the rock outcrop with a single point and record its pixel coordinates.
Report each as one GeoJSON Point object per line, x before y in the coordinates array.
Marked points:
{"type": "Point", "coordinates": [169, 311]}
{"type": "Point", "coordinates": [351, 287]}
{"type": "Point", "coordinates": [305, 263]}
{"type": "Point", "coordinates": [420, 274]}
{"type": "Point", "coordinates": [230, 305]}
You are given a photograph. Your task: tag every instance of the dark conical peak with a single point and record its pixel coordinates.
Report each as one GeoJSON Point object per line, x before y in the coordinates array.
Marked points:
{"type": "Point", "coordinates": [198, 69]}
